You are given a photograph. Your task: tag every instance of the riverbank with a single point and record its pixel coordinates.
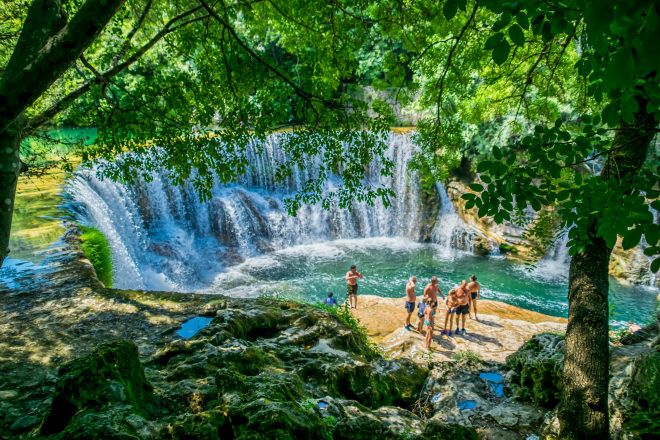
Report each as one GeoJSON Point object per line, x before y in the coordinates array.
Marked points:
{"type": "Point", "coordinates": [500, 331]}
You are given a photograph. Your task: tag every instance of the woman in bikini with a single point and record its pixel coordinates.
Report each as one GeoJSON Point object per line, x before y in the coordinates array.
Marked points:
{"type": "Point", "coordinates": [450, 311]}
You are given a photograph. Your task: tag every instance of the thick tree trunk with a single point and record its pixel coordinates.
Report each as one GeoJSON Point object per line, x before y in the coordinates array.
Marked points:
{"type": "Point", "coordinates": [10, 167]}
{"type": "Point", "coordinates": [583, 410]}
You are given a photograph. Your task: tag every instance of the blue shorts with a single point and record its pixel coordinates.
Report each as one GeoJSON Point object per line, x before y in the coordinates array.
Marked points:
{"type": "Point", "coordinates": [410, 307]}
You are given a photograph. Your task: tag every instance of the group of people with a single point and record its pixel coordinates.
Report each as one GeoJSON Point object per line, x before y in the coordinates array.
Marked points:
{"type": "Point", "coordinates": [459, 301]}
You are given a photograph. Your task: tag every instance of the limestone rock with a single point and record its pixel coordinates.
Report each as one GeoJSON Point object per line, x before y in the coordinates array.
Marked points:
{"type": "Point", "coordinates": [499, 332]}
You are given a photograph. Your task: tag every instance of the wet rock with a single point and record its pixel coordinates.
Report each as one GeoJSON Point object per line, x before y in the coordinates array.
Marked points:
{"type": "Point", "coordinates": [536, 370]}
{"type": "Point", "coordinates": [481, 246]}
{"type": "Point", "coordinates": [25, 422]}
{"type": "Point", "coordinates": [112, 375]}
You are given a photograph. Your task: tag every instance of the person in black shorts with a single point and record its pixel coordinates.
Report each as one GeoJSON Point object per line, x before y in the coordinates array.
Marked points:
{"type": "Point", "coordinates": [351, 287]}
{"type": "Point", "coordinates": [464, 300]}
{"type": "Point", "coordinates": [475, 292]}
{"type": "Point", "coordinates": [411, 297]}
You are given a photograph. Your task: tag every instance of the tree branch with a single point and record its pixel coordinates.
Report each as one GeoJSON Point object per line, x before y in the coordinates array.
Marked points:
{"type": "Point", "coordinates": [131, 34]}
{"type": "Point", "coordinates": [67, 100]}
{"type": "Point", "coordinates": [28, 79]}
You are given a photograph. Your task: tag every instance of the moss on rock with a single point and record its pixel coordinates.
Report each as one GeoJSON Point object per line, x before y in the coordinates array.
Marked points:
{"type": "Point", "coordinates": [97, 250]}
{"type": "Point", "coordinates": [537, 368]}
{"type": "Point", "coordinates": [112, 375]}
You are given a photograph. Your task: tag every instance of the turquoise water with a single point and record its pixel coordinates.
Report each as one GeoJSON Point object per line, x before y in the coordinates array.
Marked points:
{"type": "Point", "coordinates": [191, 327]}
{"type": "Point", "coordinates": [308, 272]}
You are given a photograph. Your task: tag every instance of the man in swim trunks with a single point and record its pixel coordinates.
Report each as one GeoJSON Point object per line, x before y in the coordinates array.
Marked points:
{"type": "Point", "coordinates": [411, 297]}
{"type": "Point", "coordinates": [475, 290]}
{"type": "Point", "coordinates": [464, 300]}
{"type": "Point", "coordinates": [351, 287]}
{"type": "Point", "coordinates": [432, 291]}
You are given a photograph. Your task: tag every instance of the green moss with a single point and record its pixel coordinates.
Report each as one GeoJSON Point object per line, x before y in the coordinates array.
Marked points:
{"type": "Point", "coordinates": [97, 250]}
{"type": "Point", "coordinates": [112, 374]}
{"type": "Point", "coordinates": [468, 356]}
{"type": "Point", "coordinates": [448, 431]}
{"type": "Point", "coordinates": [508, 249]}
{"type": "Point", "coordinates": [644, 420]}
{"type": "Point", "coordinates": [537, 366]}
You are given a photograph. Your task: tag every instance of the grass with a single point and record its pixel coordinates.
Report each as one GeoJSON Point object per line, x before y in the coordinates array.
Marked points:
{"type": "Point", "coordinates": [97, 250]}
{"type": "Point", "coordinates": [344, 313]}
{"type": "Point", "coordinates": [467, 356]}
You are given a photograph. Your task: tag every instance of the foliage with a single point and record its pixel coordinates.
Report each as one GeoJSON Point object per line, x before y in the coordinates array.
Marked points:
{"type": "Point", "coordinates": [97, 250]}
{"type": "Point", "coordinates": [467, 356]}
{"type": "Point", "coordinates": [644, 420]}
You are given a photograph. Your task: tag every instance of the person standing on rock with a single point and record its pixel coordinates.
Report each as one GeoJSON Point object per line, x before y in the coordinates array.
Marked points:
{"type": "Point", "coordinates": [464, 299]}
{"type": "Point", "coordinates": [411, 297]}
{"type": "Point", "coordinates": [352, 287]}
{"type": "Point", "coordinates": [452, 304]}
{"type": "Point", "coordinates": [431, 291]}
{"type": "Point", "coordinates": [429, 320]}
{"type": "Point", "coordinates": [475, 291]}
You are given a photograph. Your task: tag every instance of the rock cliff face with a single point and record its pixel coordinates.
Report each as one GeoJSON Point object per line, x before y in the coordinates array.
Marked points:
{"type": "Point", "coordinates": [626, 265]}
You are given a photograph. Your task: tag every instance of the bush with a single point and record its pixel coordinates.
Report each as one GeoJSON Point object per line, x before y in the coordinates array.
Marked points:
{"type": "Point", "coordinates": [97, 250]}
{"type": "Point", "coordinates": [467, 356]}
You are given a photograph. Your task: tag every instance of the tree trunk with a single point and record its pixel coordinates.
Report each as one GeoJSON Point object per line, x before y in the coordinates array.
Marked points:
{"type": "Point", "coordinates": [583, 410]}
{"type": "Point", "coordinates": [10, 167]}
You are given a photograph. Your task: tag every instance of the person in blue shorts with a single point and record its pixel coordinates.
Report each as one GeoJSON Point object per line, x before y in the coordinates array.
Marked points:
{"type": "Point", "coordinates": [411, 297]}
{"type": "Point", "coordinates": [420, 314]}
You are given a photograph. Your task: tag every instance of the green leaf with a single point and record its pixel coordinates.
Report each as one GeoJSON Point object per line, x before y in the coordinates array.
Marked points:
{"type": "Point", "coordinates": [535, 204]}
{"type": "Point", "coordinates": [483, 166]}
{"type": "Point", "coordinates": [522, 20]}
{"type": "Point", "coordinates": [468, 196]}
{"type": "Point", "coordinates": [450, 8]}
{"type": "Point", "coordinates": [511, 159]}
{"type": "Point", "coordinates": [469, 204]}
{"type": "Point", "coordinates": [501, 52]}
{"type": "Point", "coordinates": [655, 265]}
{"type": "Point", "coordinates": [632, 238]}
{"type": "Point", "coordinates": [497, 153]}
{"type": "Point", "coordinates": [619, 72]}
{"type": "Point", "coordinates": [476, 187]}
{"type": "Point", "coordinates": [491, 43]}
{"type": "Point", "coordinates": [516, 35]}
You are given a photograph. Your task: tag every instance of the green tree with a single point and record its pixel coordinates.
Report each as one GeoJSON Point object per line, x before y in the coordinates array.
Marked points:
{"type": "Point", "coordinates": [564, 85]}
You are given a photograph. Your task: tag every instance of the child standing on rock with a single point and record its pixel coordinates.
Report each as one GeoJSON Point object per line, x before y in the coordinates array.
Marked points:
{"type": "Point", "coordinates": [450, 311]}
{"type": "Point", "coordinates": [429, 320]}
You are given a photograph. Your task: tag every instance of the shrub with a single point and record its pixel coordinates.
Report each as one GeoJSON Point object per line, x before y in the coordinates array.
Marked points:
{"type": "Point", "coordinates": [467, 356]}
{"type": "Point", "coordinates": [97, 250]}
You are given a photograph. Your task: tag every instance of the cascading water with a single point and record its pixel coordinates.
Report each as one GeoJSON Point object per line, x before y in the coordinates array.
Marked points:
{"type": "Point", "coordinates": [162, 237]}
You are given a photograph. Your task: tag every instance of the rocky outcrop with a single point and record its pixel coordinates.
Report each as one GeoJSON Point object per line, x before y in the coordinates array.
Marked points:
{"type": "Point", "coordinates": [499, 332]}
{"type": "Point", "coordinates": [260, 369]}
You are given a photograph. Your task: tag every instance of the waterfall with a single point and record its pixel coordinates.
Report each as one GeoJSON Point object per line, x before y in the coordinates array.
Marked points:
{"type": "Point", "coordinates": [163, 238]}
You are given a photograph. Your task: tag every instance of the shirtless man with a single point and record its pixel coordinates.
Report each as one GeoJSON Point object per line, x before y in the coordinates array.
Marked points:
{"type": "Point", "coordinates": [411, 297]}
{"type": "Point", "coordinates": [464, 300]}
{"type": "Point", "coordinates": [351, 280]}
{"type": "Point", "coordinates": [432, 291]}
{"type": "Point", "coordinates": [475, 291]}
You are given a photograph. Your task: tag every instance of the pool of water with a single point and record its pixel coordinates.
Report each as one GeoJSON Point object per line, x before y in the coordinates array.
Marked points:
{"type": "Point", "coordinates": [192, 326]}
{"type": "Point", "coordinates": [308, 272]}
